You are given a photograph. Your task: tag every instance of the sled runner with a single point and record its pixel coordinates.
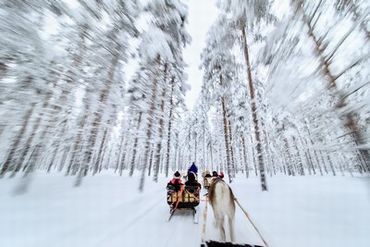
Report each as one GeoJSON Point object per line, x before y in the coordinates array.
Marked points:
{"type": "Point", "coordinates": [226, 244]}
{"type": "Point", "coordinates": [186, 198]}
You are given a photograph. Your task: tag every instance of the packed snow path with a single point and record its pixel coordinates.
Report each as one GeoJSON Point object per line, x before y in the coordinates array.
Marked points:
{"type": "Point", "coordinates": [109, 211]}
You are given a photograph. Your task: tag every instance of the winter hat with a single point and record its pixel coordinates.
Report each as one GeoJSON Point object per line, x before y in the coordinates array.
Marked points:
{"type": "Point", "coordinates": [177, 174]}
{"type": "Point", "coordinates": [221, 175]}
{"type": "Point", "coordinates": [214, 174]}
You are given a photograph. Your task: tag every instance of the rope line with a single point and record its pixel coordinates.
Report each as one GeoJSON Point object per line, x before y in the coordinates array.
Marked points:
{"type": "Point", "coordinates": [204, 221]}
{"type": "Point", "coordinates": [250, 220]}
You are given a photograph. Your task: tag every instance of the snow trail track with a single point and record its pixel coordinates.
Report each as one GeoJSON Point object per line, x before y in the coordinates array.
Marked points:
{"type": "Point", "coordinates": [107, 210]}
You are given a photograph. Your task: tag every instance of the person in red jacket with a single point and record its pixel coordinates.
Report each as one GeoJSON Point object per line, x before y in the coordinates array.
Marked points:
{"type": "Point", "coordinates": [175, 189]}
{"type": "Point", "coordinates": [176, 181]}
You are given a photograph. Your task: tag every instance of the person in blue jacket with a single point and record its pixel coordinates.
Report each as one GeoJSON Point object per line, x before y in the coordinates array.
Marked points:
{"type": "Point", "coordinates": [193, 168]}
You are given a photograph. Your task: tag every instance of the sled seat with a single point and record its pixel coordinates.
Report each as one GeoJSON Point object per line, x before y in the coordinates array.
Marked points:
{"type": "Point", "coordinates": [188, 197]}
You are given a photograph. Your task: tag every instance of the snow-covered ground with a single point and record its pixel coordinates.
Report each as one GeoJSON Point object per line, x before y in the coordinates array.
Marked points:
{"type": "Point", "coordinates": [108, 210]}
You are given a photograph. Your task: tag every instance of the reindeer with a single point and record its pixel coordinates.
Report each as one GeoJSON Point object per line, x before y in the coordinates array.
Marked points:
{"type": "Point", "coordinates": [222, 201]}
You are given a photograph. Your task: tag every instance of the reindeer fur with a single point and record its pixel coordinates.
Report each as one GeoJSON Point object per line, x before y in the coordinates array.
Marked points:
{"type": "Point", "coordinates": [222, 201]}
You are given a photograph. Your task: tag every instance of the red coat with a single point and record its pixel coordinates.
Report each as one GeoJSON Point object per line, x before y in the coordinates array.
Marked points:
{"type": "Point", "coordinates": [176, 182]}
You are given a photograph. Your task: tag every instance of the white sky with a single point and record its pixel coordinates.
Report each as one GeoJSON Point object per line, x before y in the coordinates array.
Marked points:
{"type": "Point", "coordinates": [202, 13]}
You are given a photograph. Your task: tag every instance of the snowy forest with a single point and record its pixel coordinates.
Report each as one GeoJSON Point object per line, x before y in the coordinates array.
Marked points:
{"type": "Point", "coordinates": [96, 86]}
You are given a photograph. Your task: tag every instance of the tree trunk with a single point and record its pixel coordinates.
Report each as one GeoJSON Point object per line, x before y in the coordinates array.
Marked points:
{"type": "Point", "coordinates": [261, 165]}
{"type": "Point", "coordinates": [72, 166]}
{"type": "Point", "coordinates": [167, 161]}
{"type": "Point", "coordinates": [177, 152]}
{"type": "Point", "coordinates": [195, 147]}
{"type": "Point", "coordinates": [133, 158]}
{"type": "Point", "coordinates": [124, 155]}
{"type": "Point", "coordinates": [245, 155]}
{"type": "Point", "coordinates": [160, 128]}
{"type": "Point", "coordinates": [149, 131]}
{"type": "Point", "coordinates": [231, 149]}
{"type": "Point", "coordinates": [270, 162]}
{"type": "Point", "coordinates": [308, 157]}
{"type": "Point", "coordinates": [349, 116]}
{"type": "Point", "coordinates": [205, 157]}
{"type": "Point", "coordinates": [40, 145]}
{"type": "Point", "coordinates": [70, 78]}
{"type": "Point", "coordinates": [323, 162]}
{"type": "Point", "coordinates": [56, 150]}
{"type": "Point", "coordinates": [3, 70]}
{"type": "Point", "coordinates": [102, 143]}
{"type": "Point", "coordinates": [211, 151]}
{"type": "Point", "coordinates": [120, 151]}
{"type": "Point", "coordinates": [14, 147]}
{"type": "Point", "coordinates": [331, 165]}
{"type": "Point", "coordinates": [29, 141]}
{"type": "Point", "coordinates": [289, 158]}
{"type": "Point", "coordinates": [189, 148]}
{"type": "Point", "coordinates": [98, 115]}
{"type": "Point", "coordinates": [254, 160]}
{"type": "Point", "coordinates": [151, 160]}
{"type": "Point", "coordinates": [300, 162]}
{"type": "Point", "coordinates": [226, 136]}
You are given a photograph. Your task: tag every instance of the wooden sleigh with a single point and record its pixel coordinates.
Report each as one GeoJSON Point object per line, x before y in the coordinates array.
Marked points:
{"type": "Point", "coordinates": [187, 197]}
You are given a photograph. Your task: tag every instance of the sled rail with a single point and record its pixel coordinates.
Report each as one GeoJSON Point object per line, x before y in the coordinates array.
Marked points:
{"type": "Point", "coordinates": [226, 244]}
